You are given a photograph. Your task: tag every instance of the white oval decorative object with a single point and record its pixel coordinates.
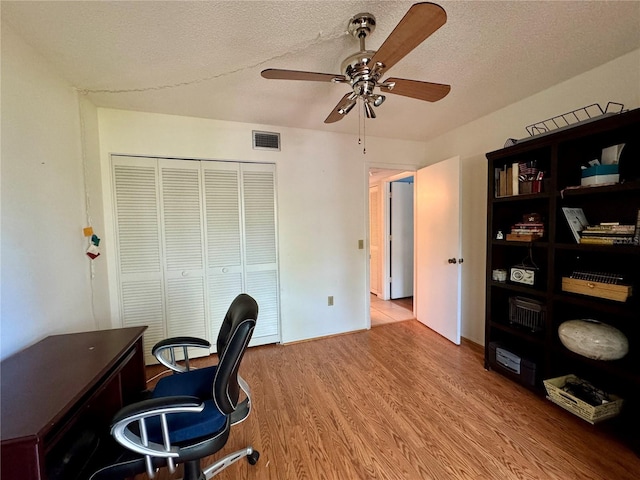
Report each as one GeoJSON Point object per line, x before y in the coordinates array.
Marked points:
{"type": "Point", "coordinates": [593, 339]}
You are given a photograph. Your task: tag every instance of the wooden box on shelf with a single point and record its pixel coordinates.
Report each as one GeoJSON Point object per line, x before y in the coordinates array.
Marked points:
{"type": "Point", "coordinates": [619, 293]}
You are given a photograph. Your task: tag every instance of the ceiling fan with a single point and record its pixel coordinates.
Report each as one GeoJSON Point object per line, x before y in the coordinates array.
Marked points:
{"type": "Point", "coordinates": [364, 69]}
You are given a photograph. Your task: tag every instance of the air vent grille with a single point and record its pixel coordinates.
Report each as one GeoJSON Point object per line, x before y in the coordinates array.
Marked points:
{"type": "Point", "coordinates": [266, 140]}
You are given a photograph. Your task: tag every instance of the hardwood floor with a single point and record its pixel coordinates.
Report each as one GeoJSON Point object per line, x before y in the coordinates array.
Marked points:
{"type": "Point", "coordinates": [401, 402]}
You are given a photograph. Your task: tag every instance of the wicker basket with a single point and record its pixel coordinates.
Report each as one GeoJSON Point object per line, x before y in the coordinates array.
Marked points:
{"type": "Point", "coordinates": [579, 407]}
{"type": "Point", "coordinates": [527, 312]}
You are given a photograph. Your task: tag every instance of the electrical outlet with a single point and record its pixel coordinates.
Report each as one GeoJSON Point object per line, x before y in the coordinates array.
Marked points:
{"type": "Point", "coordinates": [330, 300]}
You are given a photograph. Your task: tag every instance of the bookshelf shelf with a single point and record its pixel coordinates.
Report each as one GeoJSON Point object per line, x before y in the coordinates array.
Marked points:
{"type": "Point", "coordinates": [558, 254]}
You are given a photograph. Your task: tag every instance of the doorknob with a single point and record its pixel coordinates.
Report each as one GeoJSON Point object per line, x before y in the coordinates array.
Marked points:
{"type": "Point", "coordinates": [452, 260]}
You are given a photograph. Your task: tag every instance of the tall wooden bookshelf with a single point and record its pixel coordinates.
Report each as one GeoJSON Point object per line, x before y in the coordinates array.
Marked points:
{"type": "Point", "coordinates": [557, 254]}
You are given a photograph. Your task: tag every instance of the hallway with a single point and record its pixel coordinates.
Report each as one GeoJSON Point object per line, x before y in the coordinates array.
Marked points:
{"type": "Point", "coordinates": [390, 311]}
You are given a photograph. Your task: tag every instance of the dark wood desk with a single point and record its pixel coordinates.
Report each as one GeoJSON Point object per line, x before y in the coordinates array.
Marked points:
{"type": "Point", "coordinates": [59, 387]}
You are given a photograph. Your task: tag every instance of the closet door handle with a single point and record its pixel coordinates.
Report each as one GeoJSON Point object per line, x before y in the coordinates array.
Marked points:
{"type": "Point", "coordinates": [452, 260]}
{"type": "Point", "coordinates": [225, 270]}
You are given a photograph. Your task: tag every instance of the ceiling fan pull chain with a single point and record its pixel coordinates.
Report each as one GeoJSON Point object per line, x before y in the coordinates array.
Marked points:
{"type": "Point", "coordinates": [364, 133]}
{"type": "Point", "coordinates": [359, 124]}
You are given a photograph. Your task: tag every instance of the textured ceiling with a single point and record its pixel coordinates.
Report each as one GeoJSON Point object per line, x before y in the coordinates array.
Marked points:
{"type": "Point", "coordinates": [204, 59]}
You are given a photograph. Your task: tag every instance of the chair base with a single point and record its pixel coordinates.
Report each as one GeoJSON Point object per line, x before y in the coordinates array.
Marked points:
{"type": "Point", "coordinates": [192, 469]}
{"type": "Point", "coordinates": [212, 470]}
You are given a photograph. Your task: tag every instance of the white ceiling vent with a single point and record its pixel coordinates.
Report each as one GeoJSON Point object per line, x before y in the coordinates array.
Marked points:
{"type": "Point", "coordinates": [266, 140]}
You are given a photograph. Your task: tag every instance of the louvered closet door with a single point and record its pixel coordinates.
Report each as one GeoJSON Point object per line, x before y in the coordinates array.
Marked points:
{"type": "Point", "coordinates": [138, 238]}
{"type": "Point", "coordinates": [223, 238]}
{"type": "Point", "coordinates": [241, 242]}
{"type": "Point", "coordinates": [260, 247]}
{"type": "Point", "coordinates": [183, 242]}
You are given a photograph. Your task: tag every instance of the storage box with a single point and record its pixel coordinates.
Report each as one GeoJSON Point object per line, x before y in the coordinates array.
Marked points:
{"type": "Point", "coordinates": [513, 365]}
{"type": "Point", "coordinates": [599, 174]}
{"type": "Point", "coordinates": [573, 404]}
{"type": "Point", "coordinates": [527, 312]}
{"type": "Point", "coordinates": [618, 293]}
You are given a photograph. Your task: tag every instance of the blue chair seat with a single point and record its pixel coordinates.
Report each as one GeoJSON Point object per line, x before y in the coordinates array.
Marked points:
{"type": "Point", "coordinates": [187, 426]}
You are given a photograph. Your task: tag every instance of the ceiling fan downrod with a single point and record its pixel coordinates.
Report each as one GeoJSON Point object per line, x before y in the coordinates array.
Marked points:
{"type": "Point", "coordinates": [356, 67]}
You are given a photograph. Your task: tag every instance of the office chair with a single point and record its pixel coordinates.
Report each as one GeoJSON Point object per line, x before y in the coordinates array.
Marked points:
{"type": "Point", "coordinates": [189, 415]}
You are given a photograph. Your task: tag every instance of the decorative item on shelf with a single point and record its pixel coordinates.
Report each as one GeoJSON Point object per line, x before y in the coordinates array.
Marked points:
{"type": "Point", "coordinates": [527, 312]}
{"type": "Point", "coordinates": [593, 339]}
{"type": "Point", "coordinates": [599, 174]}
{"type": "Point", "coordinates": [499, 275]}
{"type": "Point", "coordinates": [525, 272]}
{"type": "Point", "coordinates": [573, 118]}
{"type": "Point", "coordinates": [566, 391]}
{"type": "Point", "coordinates": [610, 286]}
{"type": "Point", "coordinates": [529, 229]}
{"type": "Point", "coordinates": [576, 220]}
{"type": "Point", "coordinates": [499, 235]}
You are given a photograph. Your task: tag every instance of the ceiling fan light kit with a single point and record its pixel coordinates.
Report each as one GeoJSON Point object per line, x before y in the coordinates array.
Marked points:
{"type": "Point", "coordinates": [364, 69]}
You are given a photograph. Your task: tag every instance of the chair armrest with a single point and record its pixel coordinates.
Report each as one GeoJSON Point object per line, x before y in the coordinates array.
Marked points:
{"type": "Point", "coordinates": [165, 351]}
{"type": "Point", "coordinates": [141, 411]}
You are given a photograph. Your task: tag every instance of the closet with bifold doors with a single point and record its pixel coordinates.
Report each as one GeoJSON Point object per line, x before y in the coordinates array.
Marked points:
{"type": "Point", "coordinates": [190, 236]}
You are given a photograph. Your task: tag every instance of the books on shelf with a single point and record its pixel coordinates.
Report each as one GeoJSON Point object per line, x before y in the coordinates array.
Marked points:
{"type": "Point", "coordinates": [606, 233]}
{"type": "Point", "coordinates": [529, 229]}
{"type": "Point", "coordinates": [517, 178]}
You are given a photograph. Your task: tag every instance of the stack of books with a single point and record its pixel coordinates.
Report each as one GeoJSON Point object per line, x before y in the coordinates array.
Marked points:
{"type": "Point", "coordinates": [608, 234]}
{"type": "Point", "coordinates": [529, 229]}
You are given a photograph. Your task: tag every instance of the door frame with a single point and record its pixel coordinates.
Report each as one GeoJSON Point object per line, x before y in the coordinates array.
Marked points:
{"type": "Point", "coordinates": [403, 171]}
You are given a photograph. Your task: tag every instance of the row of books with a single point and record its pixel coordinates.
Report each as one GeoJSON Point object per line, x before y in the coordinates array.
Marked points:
{"type": "Point", "coordinates": [518, 178]}
{"type": "Point", "coordinates": [606, 233]}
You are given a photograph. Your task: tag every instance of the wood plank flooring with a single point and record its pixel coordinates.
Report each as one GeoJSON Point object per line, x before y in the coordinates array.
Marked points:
{"type": "Point", "coordinates": [401, 402]}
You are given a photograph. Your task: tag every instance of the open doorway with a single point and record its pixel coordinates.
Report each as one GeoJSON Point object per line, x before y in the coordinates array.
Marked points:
{"type": "Point", "coordinates": [391, 222]}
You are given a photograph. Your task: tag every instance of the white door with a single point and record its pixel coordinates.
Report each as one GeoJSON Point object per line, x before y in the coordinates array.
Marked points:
{"type": "Point", "coordinates": [438, 246]}
{"type": "Point", "coordinates": [401, 240]}
{"type": "Point", "coordinates": [240, 218]}
{"type": "Point", "coordinates": [260, 248]}
{"type": "Point", "coordinates": [184, 270]}
{"type": "Point", "coordinates": [375, 229]}
{"type": "Point", "coordinates": [138, 239]}
{"type": "Point", "coordinates": [190, 236]}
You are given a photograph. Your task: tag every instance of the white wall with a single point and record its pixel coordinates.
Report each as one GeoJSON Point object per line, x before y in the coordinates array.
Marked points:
{"type": "Point", "coordinates": [46, 276]}
{"type": "Point", "coordinates": [618, 80]}
{"type": "Point", "coordinates": [322, 201]}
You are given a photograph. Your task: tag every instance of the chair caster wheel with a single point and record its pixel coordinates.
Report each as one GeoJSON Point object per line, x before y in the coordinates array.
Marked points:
{"type": "Point", "coordinates": [253, 458]}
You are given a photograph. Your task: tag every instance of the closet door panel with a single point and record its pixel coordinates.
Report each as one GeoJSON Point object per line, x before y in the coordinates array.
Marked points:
{"type": "Point", "coordinates": [261, 264]}
{"type": "Point", "coordinates": [222, 290]}
{"type": "Point", "coordinates": [223, 228]}
{"type": "Point", "coordinates": [263, 286]}
{"type": "Point", "coordinates": [138, 239]}
{"type": "Point", "coordinates": [184, 248]}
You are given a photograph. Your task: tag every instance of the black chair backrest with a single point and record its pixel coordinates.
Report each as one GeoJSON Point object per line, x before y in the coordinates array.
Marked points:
{"type": "Point", "coordinates": [234, 336]}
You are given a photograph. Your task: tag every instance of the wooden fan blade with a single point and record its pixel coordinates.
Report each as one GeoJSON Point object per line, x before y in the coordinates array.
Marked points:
{"type": "Point", "coordinates": [431, 92]}
{"type": "Point", "coordinates": [277, 74]}
{"type": "Point", "coordinates": [420, 22]}
{"type": "Point", "coordinates": [335, 114]}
